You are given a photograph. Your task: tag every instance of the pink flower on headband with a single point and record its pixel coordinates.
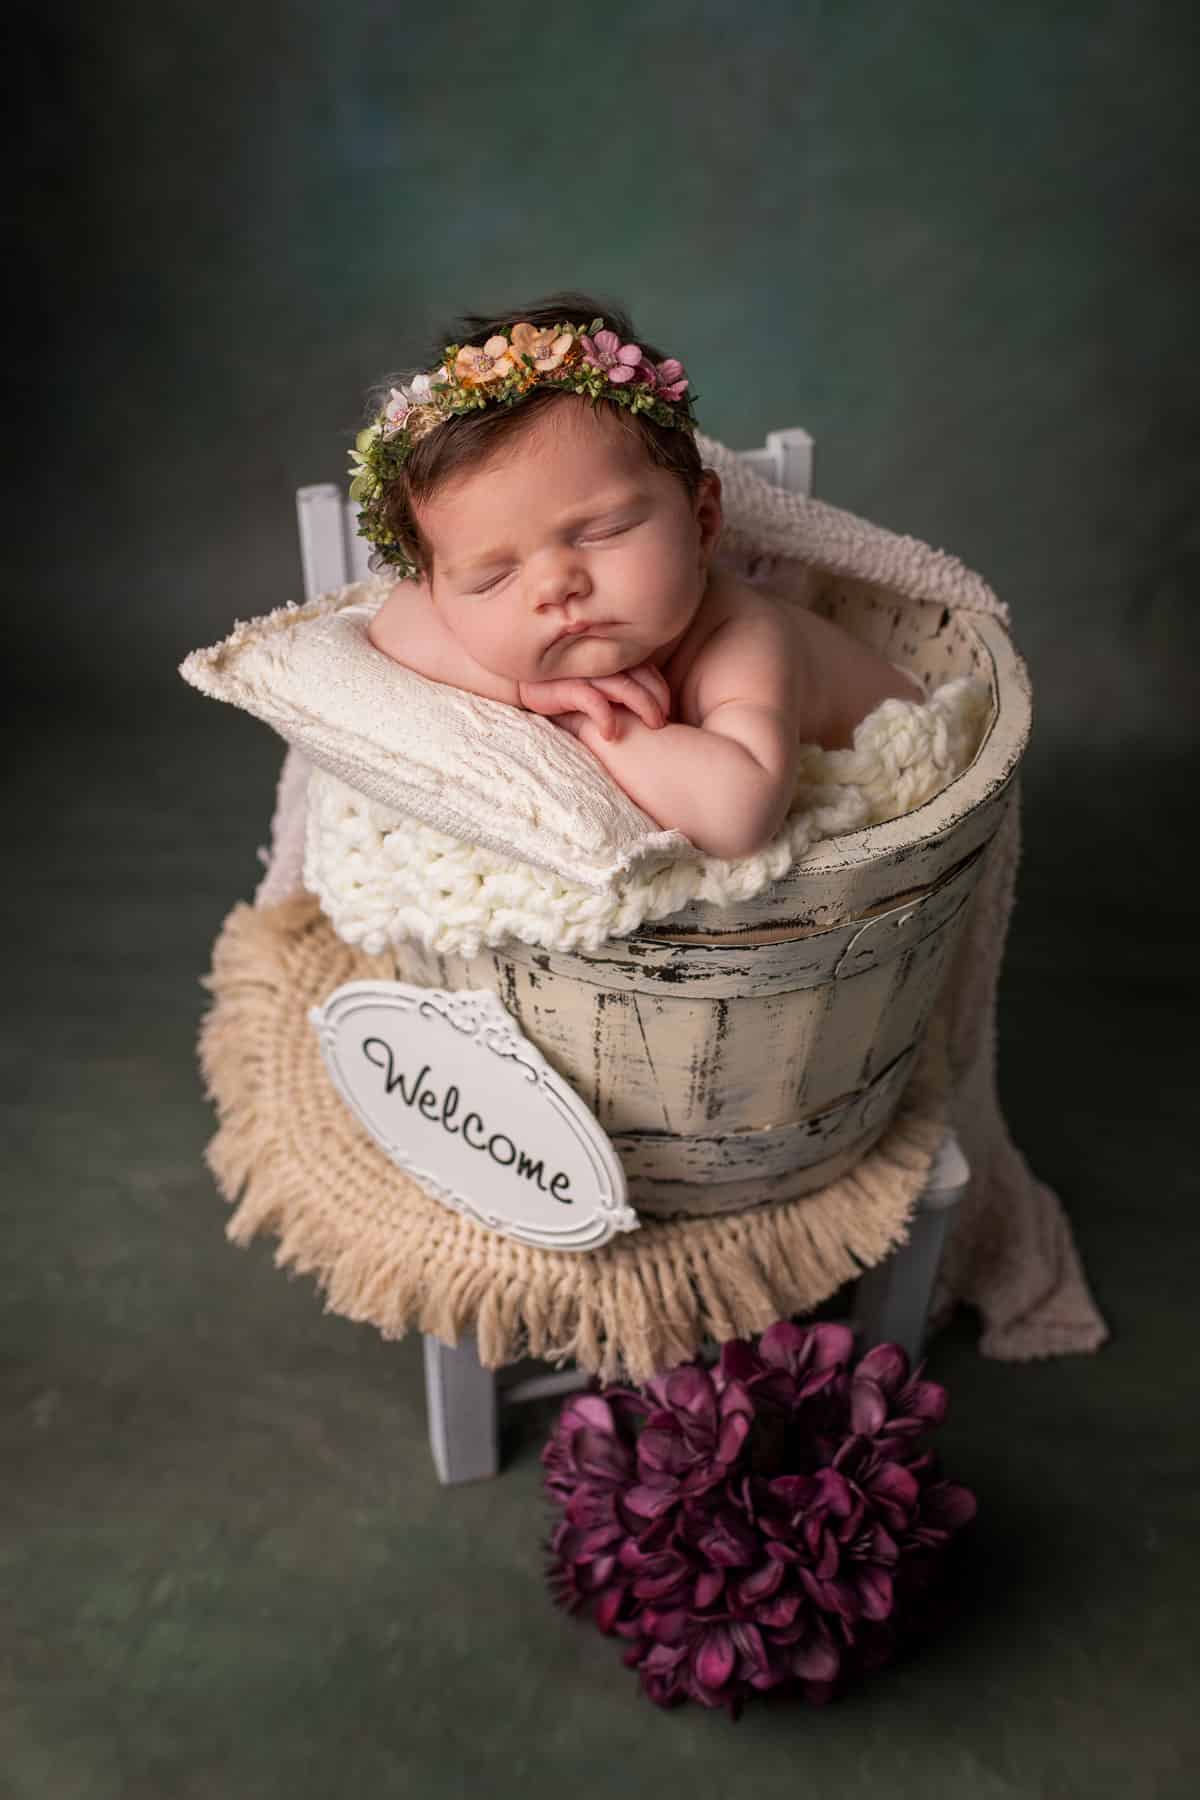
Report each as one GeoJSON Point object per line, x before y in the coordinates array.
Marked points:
{"type": "Point", "coordinates": [620, 362]}
{"type": "Point", "coordinates": [670, 382]}
{"type": "Point", "coordinates": [402, 400]}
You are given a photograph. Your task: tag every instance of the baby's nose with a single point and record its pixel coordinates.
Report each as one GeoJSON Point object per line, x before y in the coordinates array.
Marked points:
{"type": "Point", "coordinates": [557, 579]}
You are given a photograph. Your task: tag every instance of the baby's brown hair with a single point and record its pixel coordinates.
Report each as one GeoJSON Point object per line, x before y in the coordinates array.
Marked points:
{"type": "Point", "coordinates": [468, 440]}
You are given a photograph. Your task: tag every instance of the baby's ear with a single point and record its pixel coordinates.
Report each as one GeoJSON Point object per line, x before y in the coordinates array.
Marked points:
{"type": "Point", "coordinates": [710, 516]}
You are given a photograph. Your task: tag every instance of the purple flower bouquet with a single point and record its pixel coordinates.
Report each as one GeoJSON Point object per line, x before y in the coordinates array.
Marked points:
{"type": "Point", "coordinates": [771, 1523]}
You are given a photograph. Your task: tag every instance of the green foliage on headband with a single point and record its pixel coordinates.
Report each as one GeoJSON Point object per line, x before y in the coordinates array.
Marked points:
{"type": "Point", "coordinates": [463, 384]}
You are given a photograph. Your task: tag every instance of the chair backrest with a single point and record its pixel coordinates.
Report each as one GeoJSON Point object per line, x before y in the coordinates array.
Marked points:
{"type": "Point", "coordinates": [332, 553]}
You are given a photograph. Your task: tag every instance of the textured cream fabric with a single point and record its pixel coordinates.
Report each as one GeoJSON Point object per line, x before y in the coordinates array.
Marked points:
{"type": "Point", "coordinates": [383, 878]}
{"type": "Point", "coordinates": [478, 770]}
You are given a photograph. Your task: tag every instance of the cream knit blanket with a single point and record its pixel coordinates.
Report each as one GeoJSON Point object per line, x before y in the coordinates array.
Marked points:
{"type": "Point", "coordinates": [383, 877]}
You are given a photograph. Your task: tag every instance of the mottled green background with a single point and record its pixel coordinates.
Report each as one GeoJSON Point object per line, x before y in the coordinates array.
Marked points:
{"type": "Point", "coordinates": [955, 241]}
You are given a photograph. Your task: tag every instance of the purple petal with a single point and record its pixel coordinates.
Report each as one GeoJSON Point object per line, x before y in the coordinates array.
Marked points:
{"type": "Point", "coordinates": [587, 1409]}
{"type": "Point", "coordinates": [664, 1586]}
{"type": "Point", "coordinates": [607, 1608]}
{"type": "Point", "coordinates": [884, 1548]}
{"type": "Point", "coordinates": [833, 1344]}
{"type": "Point", "coordinates": [663, 1452]}
{"type": "Point", "coordinates": [710, 1586]}
{"type": "Point", "coordinates": [927, 1400]}
{"type": "Point", "coordinates": [826, 1564]}
{"type": "Point", "coordinates": [713, 1661]}
{"type": "Point", "coordinates": [781, 1344]}
{"type": "Point", "coordinates": [952, 1506]}
{"type": "Point", "coordinates": [897, 1484]}
{"type": "Point", "coordinates": [868, 1408]}
{"type": "Point", "coordinates": [761, 1585]}
{"type": "Point", "coordinates": [734, 1433]}
{"type": "Point", "coordinates": [833, 1493]}
{"type": "Point", "coordinates": [668, 1627]}
{"type": "Point", "coordinates": [631, 354]}
{"type": "Point", "coordinates": [778, 1613]}
{"type": "Point", "coordinates": [747, 1640]}
{"type": "Point", "coordinates": [607, 343]}
{"type": "Point", "coordinates": [875, 1593]}
{"type": "Point", "coordinates": [887, 1365]}
{"type": "Point", "coordinates": [663, 1659]}
{"type": "Point", "coordinates": [793, 1491]}
{"type": "Point", "coordinates": [598, 1542]}
{"type": "Point", "coordinates": [648, 1502]}
{"type": "Point", "coordinates": [739, 1361]}
{"type": "Point", "coordinates": [690, 1389]}
{"type": "Point", "coordinates": [669, 371]}
{"type": "Point", "coordinates": [600, 1457]}
{"type": "Point", "coordinates": [729, 1545]}
{"type": "Point", "coordinates": [830, 1379]}
{"type": "Point", "coordinates": [621, 373]}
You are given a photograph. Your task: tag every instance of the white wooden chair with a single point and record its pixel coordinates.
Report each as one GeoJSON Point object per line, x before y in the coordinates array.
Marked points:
{"type": "Point", "coordinates": [891, 1301]}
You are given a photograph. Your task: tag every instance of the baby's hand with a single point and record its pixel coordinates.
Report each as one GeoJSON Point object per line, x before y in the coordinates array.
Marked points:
{"type": "Point", "coordinates": [643, 690]}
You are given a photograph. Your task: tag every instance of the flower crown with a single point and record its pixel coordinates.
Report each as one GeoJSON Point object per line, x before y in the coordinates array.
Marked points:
{"type": "Point", "coordinates": [576, 359]}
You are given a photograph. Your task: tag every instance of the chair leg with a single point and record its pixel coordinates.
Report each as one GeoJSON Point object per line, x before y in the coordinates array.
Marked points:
{"type": "Point", "coordinates": [891, 1305]}
{"type": "Point", "coordinates": [463, 1409]}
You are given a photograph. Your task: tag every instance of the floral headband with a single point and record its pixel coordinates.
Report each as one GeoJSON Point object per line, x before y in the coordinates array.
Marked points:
{"type": "Point", "coordinates": [577, 359]}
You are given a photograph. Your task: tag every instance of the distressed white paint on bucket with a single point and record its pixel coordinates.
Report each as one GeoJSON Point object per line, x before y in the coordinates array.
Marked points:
{"type": "Point", "coordinates": [755, 1052]}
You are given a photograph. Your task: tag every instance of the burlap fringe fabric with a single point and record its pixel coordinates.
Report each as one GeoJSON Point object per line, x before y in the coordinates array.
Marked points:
{"type": "Point", "coordinates": [293, 1160]}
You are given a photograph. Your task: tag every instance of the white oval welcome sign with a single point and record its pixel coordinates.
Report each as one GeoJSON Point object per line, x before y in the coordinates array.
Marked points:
{"type": "Point", "coordinates": [456, 1095]}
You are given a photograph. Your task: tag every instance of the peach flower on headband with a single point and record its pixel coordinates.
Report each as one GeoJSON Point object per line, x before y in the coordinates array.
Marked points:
{"type": "Point", "coordinates": [493, 362]}
{"type": "Point", "coordinates": [547, 348]}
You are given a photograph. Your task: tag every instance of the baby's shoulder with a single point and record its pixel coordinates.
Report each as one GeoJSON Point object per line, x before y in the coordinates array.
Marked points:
{"type": "Point", "coordinates": [750, 650]}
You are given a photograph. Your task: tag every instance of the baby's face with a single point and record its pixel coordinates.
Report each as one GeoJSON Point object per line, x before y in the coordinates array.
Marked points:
{"type": "Point", "coordinates": [570, 552]}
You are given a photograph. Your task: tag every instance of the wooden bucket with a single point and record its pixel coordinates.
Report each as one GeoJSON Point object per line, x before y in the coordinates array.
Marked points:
{"type": "Point", "coordinates": [754, 1052]}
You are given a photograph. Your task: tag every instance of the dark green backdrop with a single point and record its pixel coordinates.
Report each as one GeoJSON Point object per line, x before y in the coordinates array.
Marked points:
{"type": "Point", "coordinates": [951, 240]}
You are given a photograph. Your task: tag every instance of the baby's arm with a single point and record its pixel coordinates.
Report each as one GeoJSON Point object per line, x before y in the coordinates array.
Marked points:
{"type": "Point", "coordinates": [727, 781]}
{"type": "Point", "coordinates": [409, 629]}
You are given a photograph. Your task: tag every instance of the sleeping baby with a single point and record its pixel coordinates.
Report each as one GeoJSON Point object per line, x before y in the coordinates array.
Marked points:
{"type": "Point", "coordinates": [542, 497]}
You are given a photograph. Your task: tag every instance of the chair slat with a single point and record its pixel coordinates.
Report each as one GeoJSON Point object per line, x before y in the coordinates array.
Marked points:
{"type": "Point", "coordinates": [323, 546]}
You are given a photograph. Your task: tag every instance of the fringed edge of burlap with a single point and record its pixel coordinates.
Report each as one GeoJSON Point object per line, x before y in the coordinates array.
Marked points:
{"type": "Point", "coordinates": [642, 1302]}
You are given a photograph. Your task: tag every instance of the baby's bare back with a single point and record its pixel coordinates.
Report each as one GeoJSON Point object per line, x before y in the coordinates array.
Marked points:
{"type": "Point", "coordinates": [751, 647]}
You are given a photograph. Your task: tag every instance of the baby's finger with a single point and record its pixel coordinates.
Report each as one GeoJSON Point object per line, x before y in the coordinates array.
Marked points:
{"type": "Point", "coordinates": [655, 682]}
{"type": "Point", "coordinates": [628, 692]}
{"type": "Point", "coordinates": [591, 701]}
